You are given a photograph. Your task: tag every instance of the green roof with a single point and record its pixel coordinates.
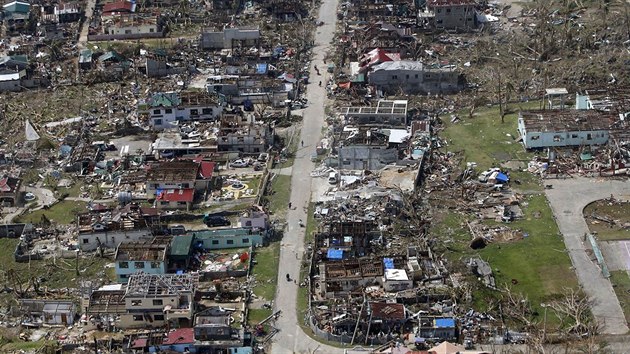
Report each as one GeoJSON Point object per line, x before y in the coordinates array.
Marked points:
{"type": "Point", "coordinates": [17, 7]}
{"type": "Point", "coordinates": [222, 232]}
{"type": "Point", "coordinates": [180, 245]}
{"type": "Point", "coordinates": [165, 99]}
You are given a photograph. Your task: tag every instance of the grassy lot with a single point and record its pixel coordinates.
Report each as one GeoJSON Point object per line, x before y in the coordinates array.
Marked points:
{"type": "Point", "coordinates": [266, 270]}
{"type": "Point", "coordinates": [617, 212]}
{"type": "Point", "coordinates": [488, 142]}
{"type": "Point", "coordinates": [60, 273]}
{"type": "Point", "coordinates": [292, 138]}
{"type": "Point", "coordinates": [255, 316]}
{"type": "Point", "coordinates": [621, 283]}
{"type": "Point", "coordinates": [63, 212]}
{"type": "Point", "coordinates": [538, 264]}
{"type": "Point", "coordinates": [279, 201]}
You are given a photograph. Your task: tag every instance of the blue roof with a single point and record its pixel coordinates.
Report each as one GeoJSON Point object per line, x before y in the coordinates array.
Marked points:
{"type": "Point", "coordinates": [444, 323]}
{"type": "Point", "coordinates": [388, 263]}
{"type": "Point", "coordinates": [335, 254]}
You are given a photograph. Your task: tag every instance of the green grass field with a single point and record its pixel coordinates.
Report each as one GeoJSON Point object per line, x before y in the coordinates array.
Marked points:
{"type": "Point", "coordinates": [489, 143]}
{"type": "Point", "coordinates": [266, 270]}
{"type": "Point", "coordinates": [59, 273]}
{"type": "Point", "coordinates": [536, 266]}
{"type": "Point", "coordinates": [279, 201]}
{"type": "Point", "coordinates": [63, 212]}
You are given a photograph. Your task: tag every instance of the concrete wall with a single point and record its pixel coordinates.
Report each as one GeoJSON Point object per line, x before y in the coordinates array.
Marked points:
{"type": "Point", "coordinates": [111, 239]}
{"type": "Point", "coordinates": [455, 17]}
{"type": "Point", "coordinates": [122, 274]}
{"type": "Point", "coordinates": [415, 81]}
{"type": "Point", "coordinates": [12, 85]}
{"type": "Point", "coordinates": [216, 242]}
{"type": "Point", "coordinates": [140, 29]}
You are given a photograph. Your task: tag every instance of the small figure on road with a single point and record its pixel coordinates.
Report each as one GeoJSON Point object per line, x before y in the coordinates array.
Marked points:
{"type": "Point", "coordinates": [320, 84]}
{"type": "Point", "coordinates": [290, 205]}
{"type": "Point", "coordinates": [288, 277]}
{"type": "Point", "coordinates": [302, 143]}
{"type": "Point", "coordinates": [301, 223]}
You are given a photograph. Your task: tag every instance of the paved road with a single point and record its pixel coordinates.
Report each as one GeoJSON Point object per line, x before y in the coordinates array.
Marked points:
{"type": "Point", "coordinates": [568, 199]}
{"type": "Point", "coordinates": [291, 338]}
{"type": "Point", "coordinates": [89, 10]}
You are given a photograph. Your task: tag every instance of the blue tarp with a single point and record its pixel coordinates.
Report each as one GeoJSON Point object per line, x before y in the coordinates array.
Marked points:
{"type": "Point", "coordinates": [261, 68]}
{"type": "Point", "coordinates": [501, 177]}
{"type": "Point", "coordinates": [335, 254]}
{"type": "Point", "coordinates": [444, 323]}
{"type": "Point", "coordinates": [388, 263]}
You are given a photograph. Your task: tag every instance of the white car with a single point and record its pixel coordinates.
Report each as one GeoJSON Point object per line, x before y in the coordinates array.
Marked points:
{"type": "Point", "coordinates": [239, 163]}
{"type": "Point", "coordinates": [29, 197]}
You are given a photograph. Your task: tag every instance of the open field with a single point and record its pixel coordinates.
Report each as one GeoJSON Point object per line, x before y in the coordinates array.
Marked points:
{"type": "Point", "coordinates": [266, 270]}
{"type": "Point", "coordinates": [63, 212]}
{"type": "Point", "coordinates": [59, 273]}
{"type": "Point", "coordinates": [538, 265]}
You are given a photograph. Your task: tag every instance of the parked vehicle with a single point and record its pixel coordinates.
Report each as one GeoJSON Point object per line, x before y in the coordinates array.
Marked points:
{"type": "Point", "coordinates": [215, 220]}
{"type": "Point", "coordinates": [239, 163]}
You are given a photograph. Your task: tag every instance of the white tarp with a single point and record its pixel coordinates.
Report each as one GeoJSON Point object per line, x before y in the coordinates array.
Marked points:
{"type": "Point", "coordinates": [31, 133]}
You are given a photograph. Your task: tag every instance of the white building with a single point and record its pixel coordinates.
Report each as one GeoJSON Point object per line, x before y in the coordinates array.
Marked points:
{"type": "Point", "coordinates": [563, 128]}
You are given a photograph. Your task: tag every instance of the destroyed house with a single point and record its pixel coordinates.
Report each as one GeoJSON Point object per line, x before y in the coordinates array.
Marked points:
{"type": "Point", "coordinates": [413, 77]}
{"type": "Point", "coordinates": [15, 16]}
{"type": "Point", "coordinates": [179, 340]}
{"type": "Point", "coordinates": [564, 128]}
{"type": "Point", "coordinates": [39, 312]}
{"type": "Point", "coordinates": [373, 11]}
{"type": "Point", "coordinates": [386, 317]}
{"type": "Point", "coordinates": [9, 190]}
{"type": "Point", "coordinates": [341, 278]}
{"type": "Point", "coordinates": [286, 10]}
{"type": "Point", "coordinates": [168, 108]}
{"type": "Point", "coordinates": [168, 177]}
{"type": "Point", "coordinates": [108, 228]}
{"type": "Point", "coordinates": [157, 299]}
{"type": "Point", "coordinates": [458, 15]}
{"type": "Point", "coordinates": [230, 38]}
{"type": "Point", "coordinates": [346, 239]}
{"type": "Point", "coordinates": [385, 113]}
{"type": "Point", "coordinates": [140, 257]}
{"type": "Point", "coordinates": [227, 238]}
{"type": "Point", "coordinates": [251, 139]}
{"type": "Point", "coordinates": [437, 328]}
{"type": "Point", "coordinates": [172, 143]}
{"type": "Point", "coordinates": [365, 149]}
{"type": "Point", "coordinates": [175, 184]}
{"type": "Point", "coordinates": [213, 328]}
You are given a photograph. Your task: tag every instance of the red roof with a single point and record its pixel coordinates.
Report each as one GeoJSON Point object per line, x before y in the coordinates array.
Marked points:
{"type": "Point", "coordinates": [139, 343]}
{"type": "Point", "coordinates": [387, 311]}
{"type": "Point", "coordinates": [206, 168]}
{"type": "Point", "coordinates": [180, 336]}
{"type": "Point", "coordinates": [118, 6]}
{"type": "Point", "coordinates": [177, 195]}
